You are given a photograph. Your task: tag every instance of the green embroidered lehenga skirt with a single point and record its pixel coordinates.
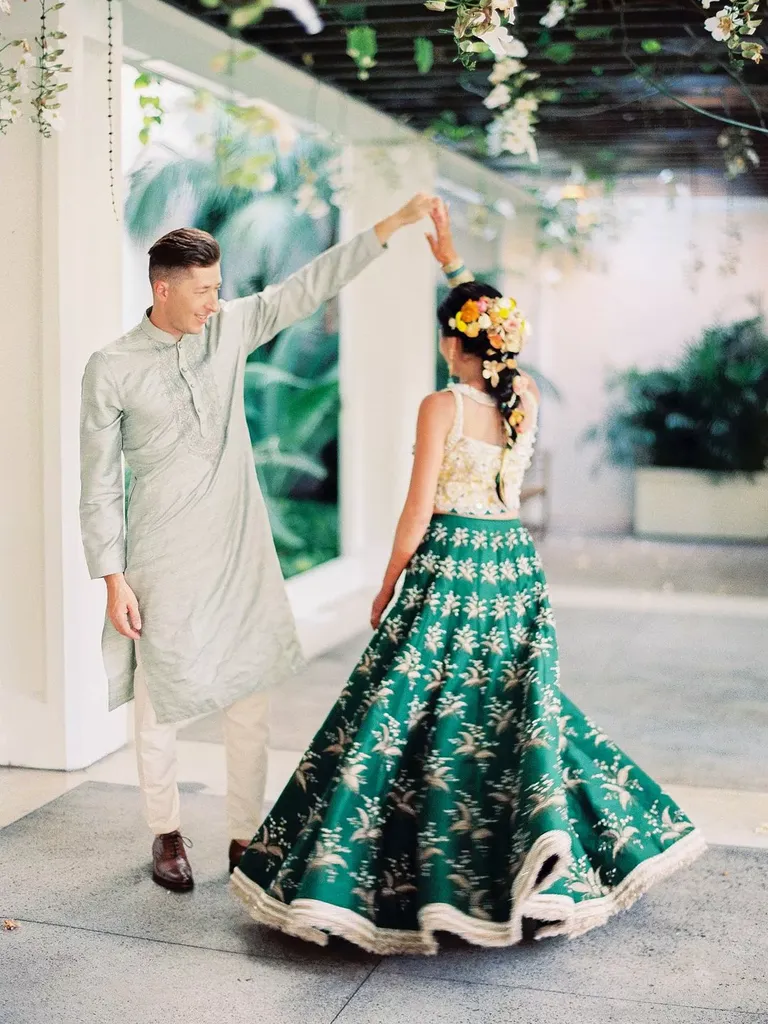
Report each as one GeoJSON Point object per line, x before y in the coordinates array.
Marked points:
{"type": "Point", "coordinates": [453, 787]}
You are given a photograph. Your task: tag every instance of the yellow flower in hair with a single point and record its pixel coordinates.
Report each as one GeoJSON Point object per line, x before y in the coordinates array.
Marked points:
{"type": "Point", "coordinates": [472, 330]}
{"type": "Point", "coordinates": [511, 364]}
{"type": "Point", "coordinates": [516, 417]}
{"type": "Point", "coordinates": [460, 325]}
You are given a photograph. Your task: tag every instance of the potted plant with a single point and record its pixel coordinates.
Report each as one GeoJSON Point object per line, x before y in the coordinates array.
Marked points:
{"type": "Point", "coordinates": [697, 435]}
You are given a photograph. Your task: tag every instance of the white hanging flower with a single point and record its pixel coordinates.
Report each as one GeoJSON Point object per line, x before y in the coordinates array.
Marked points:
{"type": "Point", "coordinates": [516, 48]}
{"type": "Point", "coordinates": [504, 69]}
{"type": "Point", "coordinates": [557, 11]}
{"type": "Point", "coordinates": [498, 97]}
{"type": "Point", "coordinates": [556, 230]}
{"type": "Point", "coordinates": [723, 25]}
{"type": "Point", "coordinates": [507, 7]}
{"type": "Point", "coordinates": [435, 5]}
{"type": "Point", "coordinates": [502, 44]}
{"type": "Point", "coordinates": [5, 6]}
{"type": "Point", "coordinates": [9, 111]}
{"type": "Point", "coordinates": [56, 121]}
{"type": "Point", "coordinates": [309, 202]}
{"type": "Point", "coordinates": [304, 12]}
{"type": "Point", "coordinates": [267, 181]}
{"type": "Point", "coordinates": [24, 70]}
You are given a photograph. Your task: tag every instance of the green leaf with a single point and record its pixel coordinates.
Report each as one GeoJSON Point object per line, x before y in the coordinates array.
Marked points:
{"type": "Point", "coordinates": [560, 53]}
{"type": "Point", "coordinates": [361, 47]}
{"type": "Point", "coordinates": [268, 455]}
{"type": "Point", "coordinates": [143, 80]}
{"type": "Point", "coordinates": [149, 101]}
{"type": "Point", "coordinates": [261, 374]}
{"type": "Point", "coordinates": [242, 17]}
{"type": "Point", "coordinates": [352, 12]}
{"type": "Point", "coordinates": [651, 46]}
{"type": "Point", "coordinates": [210, 4]}
{"type": "Point", "coordinates": [597, 71]}
{"type": "Point", "coordinates": [586, 35]}
{"type": "Point", "coordinates": [423, 54]}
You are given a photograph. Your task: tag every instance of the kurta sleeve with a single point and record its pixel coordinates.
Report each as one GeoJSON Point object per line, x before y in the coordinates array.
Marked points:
{"type": "Point", "coordinates": [281, 305]}
{"type": "Point", "coordinates": [101, 471]}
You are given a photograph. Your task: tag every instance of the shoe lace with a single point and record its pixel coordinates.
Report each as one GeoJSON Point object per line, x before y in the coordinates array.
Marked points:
{"type": "Point", "coordinates": [177, 843]}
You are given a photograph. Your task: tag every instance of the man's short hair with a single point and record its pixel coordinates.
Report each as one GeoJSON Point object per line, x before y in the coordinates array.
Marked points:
{"type": "Point", "coordinates": [185, 247]}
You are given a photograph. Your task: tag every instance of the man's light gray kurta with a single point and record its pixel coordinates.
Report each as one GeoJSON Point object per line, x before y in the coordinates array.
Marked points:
{"type": "Point", "coordinates": [196, 546]}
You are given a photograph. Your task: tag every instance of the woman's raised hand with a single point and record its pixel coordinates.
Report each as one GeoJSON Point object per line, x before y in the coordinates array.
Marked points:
{"type": "Point", "coordinates": [441, 243]}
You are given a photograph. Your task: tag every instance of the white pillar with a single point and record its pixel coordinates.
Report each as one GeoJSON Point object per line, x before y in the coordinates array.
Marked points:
{"type": "Point", "coordinates": [63, 274]}
{"type": "Point", "coordinates": [387, 358]}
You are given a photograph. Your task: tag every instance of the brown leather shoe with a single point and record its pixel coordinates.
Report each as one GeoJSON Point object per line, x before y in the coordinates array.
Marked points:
{"type": "Point", "coordinates": [170, 867]}
{"type": "Point", "coordinates": [236, 851]}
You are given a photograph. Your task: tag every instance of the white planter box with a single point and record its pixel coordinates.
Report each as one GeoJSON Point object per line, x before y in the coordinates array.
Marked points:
{"type": "Point", "coordinates": [694, 503]}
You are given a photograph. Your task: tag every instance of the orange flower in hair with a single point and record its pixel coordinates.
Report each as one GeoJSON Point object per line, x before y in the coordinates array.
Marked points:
{"type": "Point", "coordinates": [470, 312]}
{"type": "Point", "coordinates": [496, 340]}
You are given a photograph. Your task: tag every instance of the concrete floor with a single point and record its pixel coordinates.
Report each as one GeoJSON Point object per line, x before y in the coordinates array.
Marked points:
{"type": "Point", "coordinates": [672, 664]}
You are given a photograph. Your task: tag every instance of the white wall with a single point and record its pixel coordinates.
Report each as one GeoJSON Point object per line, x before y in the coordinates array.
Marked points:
{"type": "Point", "coordinates": [639, 306]}
{"type": "Point", "coordinates": [62, 302]}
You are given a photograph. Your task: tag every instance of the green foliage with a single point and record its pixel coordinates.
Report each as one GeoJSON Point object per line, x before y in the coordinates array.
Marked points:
{"type": "Point", "coordinates": [447, 127]}
{"type": "Point", "coordinates": [560, 53]}
{"type": "Point", "coordinates": [709, 411]}
{"type": "Point", "coordinates": [586, 35]}
{"type": "Point", "coordinates": [423, 54]}
{"type": "Point", "coordinates": [652, 46]}
{"type": "Point", "coordinates": [314, 519]}
{"type": "Point", "coordinates": [248, 14]}
{"type": "Point", "coordinates": [352, 12]}
{"type": "Point", "coordinates": [362, 46]}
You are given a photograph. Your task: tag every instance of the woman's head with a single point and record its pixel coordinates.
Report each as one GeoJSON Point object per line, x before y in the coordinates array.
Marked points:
{"type": "Point", "coordinates": [481, 335]}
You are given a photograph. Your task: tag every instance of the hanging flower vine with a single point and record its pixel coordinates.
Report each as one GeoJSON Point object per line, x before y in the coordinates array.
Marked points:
{"type": "Point", "coordinates": [34, 78]}
{"type": "Point", "coordinates": [733, 25]}
{"type": "Point", "coordinates": [485, 27]}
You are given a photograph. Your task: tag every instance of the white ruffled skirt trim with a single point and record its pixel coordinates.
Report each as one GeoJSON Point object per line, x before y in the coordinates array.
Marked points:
{"type": "Point", "coordinates": [548, 859]}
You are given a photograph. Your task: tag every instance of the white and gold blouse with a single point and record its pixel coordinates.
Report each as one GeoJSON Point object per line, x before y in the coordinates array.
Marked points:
{"type": "Point", "coordinates": [478, 478]}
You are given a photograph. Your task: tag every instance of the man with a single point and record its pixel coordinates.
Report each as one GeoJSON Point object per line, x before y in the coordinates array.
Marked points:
{"type": "Point", "coordinates": [197, 613]}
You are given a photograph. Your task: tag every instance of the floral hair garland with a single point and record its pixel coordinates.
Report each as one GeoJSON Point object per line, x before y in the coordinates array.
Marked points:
{"type": "Point", "coordinates": [506, 329]}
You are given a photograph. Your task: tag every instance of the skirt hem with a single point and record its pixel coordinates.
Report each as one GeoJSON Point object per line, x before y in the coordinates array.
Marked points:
{"type": "Point", "coordinates": [313, 920]}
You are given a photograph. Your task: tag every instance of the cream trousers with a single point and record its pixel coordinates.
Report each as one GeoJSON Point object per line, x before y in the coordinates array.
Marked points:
{"type": "Point", "coordinates": [246, 733]}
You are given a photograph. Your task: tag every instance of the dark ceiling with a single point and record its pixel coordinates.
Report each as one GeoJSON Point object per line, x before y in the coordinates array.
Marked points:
{"type": "Point", "coordinates": [609, 116]}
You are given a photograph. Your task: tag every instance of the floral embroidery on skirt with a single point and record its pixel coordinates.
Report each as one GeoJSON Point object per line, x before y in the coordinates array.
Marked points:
{"type": "Point", "coordinates": [453, 787]}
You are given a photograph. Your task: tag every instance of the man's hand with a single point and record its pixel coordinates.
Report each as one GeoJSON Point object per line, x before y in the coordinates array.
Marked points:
{"type": "Point", "coordinates": [441, 243]}
{"type": "Point", "coordinates": [122, 607]}
{"type": "Point", "coordinates": [413, 211]}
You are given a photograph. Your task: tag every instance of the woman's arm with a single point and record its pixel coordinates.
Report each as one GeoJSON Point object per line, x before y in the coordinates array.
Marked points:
{"type": "Point", "coordinates": [443, 249]}
{"type": "Point", "coordinates": [436, 415]}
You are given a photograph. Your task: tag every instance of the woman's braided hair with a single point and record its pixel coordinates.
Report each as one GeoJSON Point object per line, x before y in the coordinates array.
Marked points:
{"type": "Point", "coordinates": [490, 326]}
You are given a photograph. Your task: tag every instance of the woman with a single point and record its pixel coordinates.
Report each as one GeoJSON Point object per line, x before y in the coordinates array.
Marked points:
{"type": "Point", "coordinates": [453, 787]}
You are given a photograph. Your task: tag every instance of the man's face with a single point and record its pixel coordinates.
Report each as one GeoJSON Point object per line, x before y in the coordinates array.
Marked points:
{"type": "Point", "coordinates": [190, 297]}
